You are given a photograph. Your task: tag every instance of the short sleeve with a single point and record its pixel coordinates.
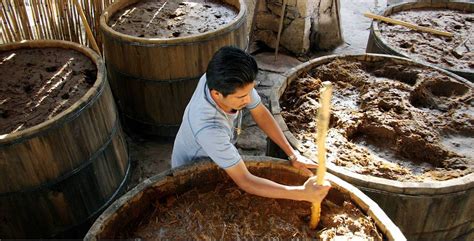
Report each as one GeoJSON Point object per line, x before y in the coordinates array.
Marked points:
{"type": "Point", "coordinates": [216, 143]}
{"type": "Point", "coordinates": [255, 100]}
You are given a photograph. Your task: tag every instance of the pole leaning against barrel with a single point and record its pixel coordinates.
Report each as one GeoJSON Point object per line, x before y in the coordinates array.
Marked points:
{"type": "Point", "coordinates": [323, 123]}
{"type": "Point", "coordinates": [89, 33]}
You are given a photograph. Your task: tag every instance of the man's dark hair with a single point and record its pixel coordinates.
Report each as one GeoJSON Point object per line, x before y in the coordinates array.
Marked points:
{"type": "Point", "coordinates": [229, 69]}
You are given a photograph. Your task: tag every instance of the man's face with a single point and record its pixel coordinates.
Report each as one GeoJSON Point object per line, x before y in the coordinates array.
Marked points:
{"type": "Point", "coordinates": [238, 100]}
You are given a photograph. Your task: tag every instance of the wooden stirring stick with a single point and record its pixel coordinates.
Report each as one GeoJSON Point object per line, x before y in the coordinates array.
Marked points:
{"type": "Point", "coordinates": [88, 29]}
{"type": "Point", "coordinates": [323, 123]}
{"type": "Point", "coordinates": [280, 27]}
{"type": "Point", "coordinates": [408, 25]}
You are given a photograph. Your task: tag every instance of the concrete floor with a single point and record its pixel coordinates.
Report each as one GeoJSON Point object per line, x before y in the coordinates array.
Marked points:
{"type": "Point", "coordinates": [150, 157]}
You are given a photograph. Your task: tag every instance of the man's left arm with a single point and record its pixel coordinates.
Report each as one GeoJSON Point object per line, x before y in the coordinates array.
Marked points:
{"type": "Point", "coordinates": [268, 124]}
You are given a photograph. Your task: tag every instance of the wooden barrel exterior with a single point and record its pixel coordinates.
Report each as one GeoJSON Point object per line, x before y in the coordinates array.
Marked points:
{"type": "Point", "coordinates": [153, 79]}
{"type": "Point", "coordinates": [57, 176]}
{"type": "Point", "coordinates": [423, 211]}
{"type": "Point", "coordinates": [377, 44]}
{"type": "Point", "coordinates": [137, 202]}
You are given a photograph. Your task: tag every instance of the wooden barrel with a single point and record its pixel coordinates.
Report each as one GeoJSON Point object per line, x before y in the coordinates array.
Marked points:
{"type": "Point", "coordinates": [126, 212]}
{"type": "Point", "coordinates": [423, 211]}
{"type": "Point", "coordinates": [153, 79]}
{"type": "Point", "coordinates": [57, 176]}
{"type": "Point", "coordinates": [378, 44]}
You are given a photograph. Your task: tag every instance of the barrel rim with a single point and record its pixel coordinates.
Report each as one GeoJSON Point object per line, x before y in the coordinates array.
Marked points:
{"type": "Point", "coordinates": [116, 6]}
{"type": "Point", "coordinates": [406, 188]}
{"type": "Point", "coordinates": [454, 5]}
{"type": "Point", "coordinates": [71, 110]}
{"type": "Point", "coordinates": [371, 208]}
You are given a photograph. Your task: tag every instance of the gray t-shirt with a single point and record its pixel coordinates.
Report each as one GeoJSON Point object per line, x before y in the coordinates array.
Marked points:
{"type": "Point", "coordinates": [207, 131]}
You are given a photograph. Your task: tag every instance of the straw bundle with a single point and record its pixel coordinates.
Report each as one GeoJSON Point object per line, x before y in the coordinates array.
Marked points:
{"type": "Point", "coordinates": [49, 19]}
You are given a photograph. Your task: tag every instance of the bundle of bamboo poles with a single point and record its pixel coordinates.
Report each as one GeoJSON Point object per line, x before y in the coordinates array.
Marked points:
{"type": "Point", "coordinates": [49, 19]}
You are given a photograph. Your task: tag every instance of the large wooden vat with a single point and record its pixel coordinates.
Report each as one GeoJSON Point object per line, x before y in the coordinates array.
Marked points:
{"type": "Point", "coordinates": [57, 176]}
{"type": "Point", "coordinates": [423, 211]}
{"type": "Point", "coordinates": [136, 204]}
{"type": "Point", "coordinates": [378, 44]}
{"type": "Point", "coordinates": [153, 79]}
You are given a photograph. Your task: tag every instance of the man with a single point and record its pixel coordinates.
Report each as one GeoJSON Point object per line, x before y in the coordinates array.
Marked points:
{"type": "Point", "coordinates": [212, 122]}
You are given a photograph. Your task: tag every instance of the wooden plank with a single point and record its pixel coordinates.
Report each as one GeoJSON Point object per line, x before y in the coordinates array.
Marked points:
{"type": "Point", "coordinates": [408, 25]}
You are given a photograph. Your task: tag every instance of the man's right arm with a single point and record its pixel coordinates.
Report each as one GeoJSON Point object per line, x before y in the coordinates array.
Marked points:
{"type": "Point", "coordinates": [250, 183]}
{"type": "Point", "coordinates": [216, 143]}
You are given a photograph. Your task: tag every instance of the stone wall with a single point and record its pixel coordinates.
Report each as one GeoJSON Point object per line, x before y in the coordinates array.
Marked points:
{"type": "Point", "coordinates": [298, 24]}
{"type": "Point", "coordinates": [326, 28]}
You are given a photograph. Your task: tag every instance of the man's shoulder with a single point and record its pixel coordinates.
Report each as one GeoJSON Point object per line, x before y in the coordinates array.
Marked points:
{"type": "Point", "coordinates": [200, 112]}
{"type": "Point", "coordinates": [204, 115]}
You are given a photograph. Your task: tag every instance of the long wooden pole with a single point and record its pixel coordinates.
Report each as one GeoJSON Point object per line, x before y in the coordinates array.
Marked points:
{"type": "Point", "coordinates": [408, 25]}
{"type": "Point", "coordinates": [254, 18]}
{"type": "Point", "coordinates": [87, 27]}
{"type": "Point", "coordinates": [280, 27]}
{"type": "Point", "coordinates": [323, 123]}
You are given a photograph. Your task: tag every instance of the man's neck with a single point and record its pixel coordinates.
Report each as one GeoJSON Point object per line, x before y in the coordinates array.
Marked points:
{"type": "Point", "coordinates": [227, 110]}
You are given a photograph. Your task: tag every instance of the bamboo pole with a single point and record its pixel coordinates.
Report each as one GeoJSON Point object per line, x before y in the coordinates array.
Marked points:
{"type": "Point", "coordinates": [71, 25]}
{"type": "Point", "coordinates": [88, 29]}
{"type": "Point", "coordinates": [68, 21]}
{"type": "Point", "coordinates": [8, 26]}
{"type": "Point", "coordinates": [99, 8]}
{"type": "Point", "coordinates": [87, 11]}
{"type": "Point", "coordinates": [26, 20]}
{"type": "Point", "coordinates": [323, 123]}
{"type": "Point", "coordinates": [60, 20]}
{"type": "Point", "coordinates": [78, 27]}
{"type": "Point", "coordinates": [17, 19]}
{"type": "Point", "coordinates": [52, 19]}
{"type": "Point", "coordinates": [44, 26]}
{"type": "Point", "coordinates": [94, 9]}
{"type": "Point", "coordinates": [74, 15]}
{"type": "Point", "coordinates": [86, 7]}
{"type": "Point", "coordinates": [408, 25]}
{"type": "Point", "coordinates": [74, 19]}
{"type": "Point", "coordinates": [49, 26]}
{"type": "Point", "coordinates": [12, 16]}
{"type": "Point", "coordinates": [3, 26]}
{"type": "Point", "coordinates": [280, 27]}
{"type": "Point", "coordinates": [37, 20]}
